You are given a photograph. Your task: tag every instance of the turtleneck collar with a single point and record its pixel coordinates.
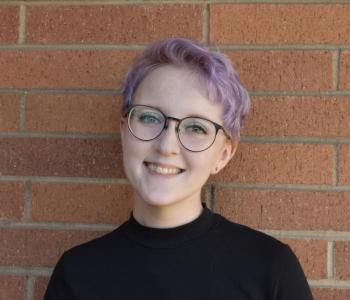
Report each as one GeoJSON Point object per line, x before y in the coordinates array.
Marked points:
{"type": "Point", "coordinates": [169, 237]}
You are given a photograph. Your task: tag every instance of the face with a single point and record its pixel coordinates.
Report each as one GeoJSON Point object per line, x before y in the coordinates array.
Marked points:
{"type": "Point", "coordinates": [161, 171]}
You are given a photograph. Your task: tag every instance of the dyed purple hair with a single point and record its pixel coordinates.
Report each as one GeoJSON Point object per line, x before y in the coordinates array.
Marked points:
{"type": "Point", "coordinates": [221, 80]}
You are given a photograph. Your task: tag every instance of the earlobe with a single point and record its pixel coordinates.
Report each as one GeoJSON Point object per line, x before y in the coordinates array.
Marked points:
{"type": "Point", "coordinates": [226, 155]}
{"type": "Point", "coordinates": [234, 146]}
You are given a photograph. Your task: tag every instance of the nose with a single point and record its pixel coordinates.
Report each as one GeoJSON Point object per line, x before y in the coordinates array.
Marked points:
{"type": "Point", "coordinates": [167, 143]}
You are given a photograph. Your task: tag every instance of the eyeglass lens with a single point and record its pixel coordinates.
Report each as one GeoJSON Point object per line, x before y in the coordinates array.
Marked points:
{"type": "Point", "coordinates": [195, 134]}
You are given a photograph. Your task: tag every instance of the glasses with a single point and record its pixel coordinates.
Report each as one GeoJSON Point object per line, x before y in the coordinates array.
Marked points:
{"type": "Point", "coordinates": [194, 133]}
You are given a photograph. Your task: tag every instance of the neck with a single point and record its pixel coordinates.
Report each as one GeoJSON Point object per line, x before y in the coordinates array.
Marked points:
{"type": "Point", "coordinates": [166, 216]}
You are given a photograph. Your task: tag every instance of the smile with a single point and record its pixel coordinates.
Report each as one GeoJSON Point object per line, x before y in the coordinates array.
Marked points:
{"type": "Point", "coordinates": [163, 170]}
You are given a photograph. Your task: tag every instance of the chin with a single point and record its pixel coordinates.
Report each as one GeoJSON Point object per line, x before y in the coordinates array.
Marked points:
{"type": "Point", "coordinates": [158, 200]}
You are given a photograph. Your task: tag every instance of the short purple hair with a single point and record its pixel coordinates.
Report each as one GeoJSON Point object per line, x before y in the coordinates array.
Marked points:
{"type": "Point", "coordinates": [220, 78]}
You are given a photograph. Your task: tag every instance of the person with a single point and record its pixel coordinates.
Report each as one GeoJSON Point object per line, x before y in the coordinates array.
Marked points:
{"type": "Point", "coordinates": [183, 109]}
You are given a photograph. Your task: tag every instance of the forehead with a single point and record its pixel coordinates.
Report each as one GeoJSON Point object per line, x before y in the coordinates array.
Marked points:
{"type": "Point", "coordinates": [178, 92]}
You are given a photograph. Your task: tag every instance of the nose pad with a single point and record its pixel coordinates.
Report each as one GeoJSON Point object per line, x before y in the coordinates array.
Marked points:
{"type": "Point", "coordinates": [176, 126]}
{"type": "Point", "coordinates": [166, 125]}
{"type": "Point", "coordinates": [167, 142]}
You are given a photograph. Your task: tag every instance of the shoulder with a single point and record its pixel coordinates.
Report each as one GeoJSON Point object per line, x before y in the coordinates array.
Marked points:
{"type": "Point", "coordinates": [98, 249]}
{"type": "Point", "coordinates": [272, 262]}
{"type": "Point", "coordinates": [245, 238]}
{"type": "Point", "coordinates": [251, 248]}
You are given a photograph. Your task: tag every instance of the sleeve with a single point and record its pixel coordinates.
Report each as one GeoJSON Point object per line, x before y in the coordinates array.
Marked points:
{"type": "Point", "coordinates": [289, 280]}
{"type": "Point", "coordinates": [58, 287]}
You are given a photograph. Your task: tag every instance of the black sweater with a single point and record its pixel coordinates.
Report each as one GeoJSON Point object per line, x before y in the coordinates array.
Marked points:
{"type": "Point", "coordinates": [208, 258]}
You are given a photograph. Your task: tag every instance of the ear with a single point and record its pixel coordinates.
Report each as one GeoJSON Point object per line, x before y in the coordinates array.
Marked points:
{"type": "Point", "coordinates": [225, 155]}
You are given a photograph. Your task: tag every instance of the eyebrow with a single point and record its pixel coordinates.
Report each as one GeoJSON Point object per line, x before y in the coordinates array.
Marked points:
{"type": "Point", "coordinates": [189, 116]}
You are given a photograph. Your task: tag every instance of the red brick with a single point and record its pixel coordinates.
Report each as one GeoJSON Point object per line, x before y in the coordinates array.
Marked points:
{"type": "Point", "coordinates": [11, 200]}
{"type": "Point", "coordinates": [299, 116]}
{"type": "Point", "coordinates": [11, 287]}
{"type": "Point", "coordinates": [68, 157]}
{"type": "Point", "coordinates": [285, 210]}
{"type": "Point", "coordinates": [342, 260]}
{"type": "Point", "coordinates": [312, 255]}
{"type": "Point", "coordinates": [9, 112]}
{"type": "Point", "coordinates": [344, 73]}
{"type": "Point", "coordinates": [9, 22]}
{"type": "Point", "coordinates": [24, 247]}
{"type": "Point", "coordinates": [330, 294]}
{"type": "Point", "coordinates": [344, 165]}
{"type": "Point", "coordinates": [40, 285]}
{"type": "Point", "coordinates": [63, 69]}
{"type": "Point", "coordinates": [72, 113]}
{"type": "Point", "coordinates": [284, 70]}
{"type": "Point", "coordinates": [280, 24]}
{"type": "Point", "coordinates": [112, 23]}
{"type": "Point", "coordinates": [81, 203]}
{"type": "Point", "coordinates": [279, 163]}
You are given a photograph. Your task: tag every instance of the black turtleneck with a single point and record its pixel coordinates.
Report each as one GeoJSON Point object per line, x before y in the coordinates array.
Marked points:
{"type": "Point", "coordinates": [208, 258]}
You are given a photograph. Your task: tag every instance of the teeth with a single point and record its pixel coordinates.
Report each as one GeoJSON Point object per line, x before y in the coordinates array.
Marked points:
{"type": "Point", "coordinates": [163, 170]}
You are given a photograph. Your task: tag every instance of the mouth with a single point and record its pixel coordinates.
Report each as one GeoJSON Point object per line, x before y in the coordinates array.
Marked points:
{"type": "Point", "coordinates": [163, 170]}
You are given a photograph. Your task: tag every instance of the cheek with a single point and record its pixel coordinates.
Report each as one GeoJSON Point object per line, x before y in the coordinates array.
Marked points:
{"type": "Point", "coordinates": [202, 162]}
{"type": "Point", "coordinates": [134, 150]}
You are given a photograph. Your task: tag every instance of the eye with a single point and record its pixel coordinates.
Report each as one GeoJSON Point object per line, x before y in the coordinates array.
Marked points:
{"type": "Point", "coordinates": [149, 118]}
{"type": "Point", "coordinates": [196, 129]}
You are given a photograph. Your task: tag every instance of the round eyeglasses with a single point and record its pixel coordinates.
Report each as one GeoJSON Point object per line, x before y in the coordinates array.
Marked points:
{"type": "Point", "coordinates": [194, 133]}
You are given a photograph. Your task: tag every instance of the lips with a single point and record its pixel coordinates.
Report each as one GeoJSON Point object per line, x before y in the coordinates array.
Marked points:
{"type": "Point", "coordinates": [163, 169]}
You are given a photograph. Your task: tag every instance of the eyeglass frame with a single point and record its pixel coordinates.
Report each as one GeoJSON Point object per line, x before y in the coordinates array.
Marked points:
{"type": "Point", "coordinates": [178, 121]}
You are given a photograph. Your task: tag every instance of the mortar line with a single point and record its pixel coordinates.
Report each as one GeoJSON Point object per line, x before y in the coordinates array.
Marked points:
{"type": "Point", "coordinates": [27, 201]}
{"type": "Point", "coordinates": [282, 1]}
{"type": "Point", "coordinates": [64, 135]}
{"type": "Point", "coordinates": [282, 47]}
{"type": "Point", "coordinates": [126, 2]}
{"type": "Point", "coordinates": [23, 271]}
{"type": "Point", "coordinates": [222, 185]}
{"type": "Point", "coordinates": [206, 23]}
{"type": "Point", "coordinates": [61, 91]}
{"type": "Point", "coordinates": [299, 93]}
{"type": "Point", "coordinates": [338, 69]}
{"type": "Point", "coordinates": [22, 113]}
{"type": "Point", "coordinates": [101, 2]}
{"type": "Point", "coordinates": [29, 289]}
{"type": "Point", "coordinates": [82, 47]}
{"type": "Point", "coordinates": [330, 259]}
{"type": "Point", "coordinates": [329, 235]}
{"type": "Point", "coordinates": [138, 47]}
{"type": "Point", "coordinates": [294, 140]}
{"type": "Point", "coordinates": [335, 69]}
{"type": "Point", "coordinates": [336, 164]}
{"type": "Point", "coordinates": [284, 187]}
{"type": "Point", "coordinates": [244, 139]}
{"type": "Point", "coordinates": [22, 24]}
{"type": "Point", "coordinates": [57, 226]}
{"type": "Point", "coordinates": [116, 92]}
{"type": "Point", "coordinates": [66, 180]}
{"type": "Point", "coordinates": [327, 283]}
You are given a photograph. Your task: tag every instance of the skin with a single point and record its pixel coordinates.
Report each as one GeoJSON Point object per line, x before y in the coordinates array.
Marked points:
{"type": "Point", "coordinates": [165, 201]}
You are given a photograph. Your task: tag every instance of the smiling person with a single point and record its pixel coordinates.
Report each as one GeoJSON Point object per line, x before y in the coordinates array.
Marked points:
{"type": "Point", "coordinates": [181, 118]}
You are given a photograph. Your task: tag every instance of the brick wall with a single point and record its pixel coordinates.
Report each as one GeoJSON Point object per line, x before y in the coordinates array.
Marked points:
{"type": "Point", "coordinates": [61, 180]}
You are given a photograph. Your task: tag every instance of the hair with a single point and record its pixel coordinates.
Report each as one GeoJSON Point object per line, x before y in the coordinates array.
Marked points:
{"type": "Point", "coordinates": [215, 68]}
